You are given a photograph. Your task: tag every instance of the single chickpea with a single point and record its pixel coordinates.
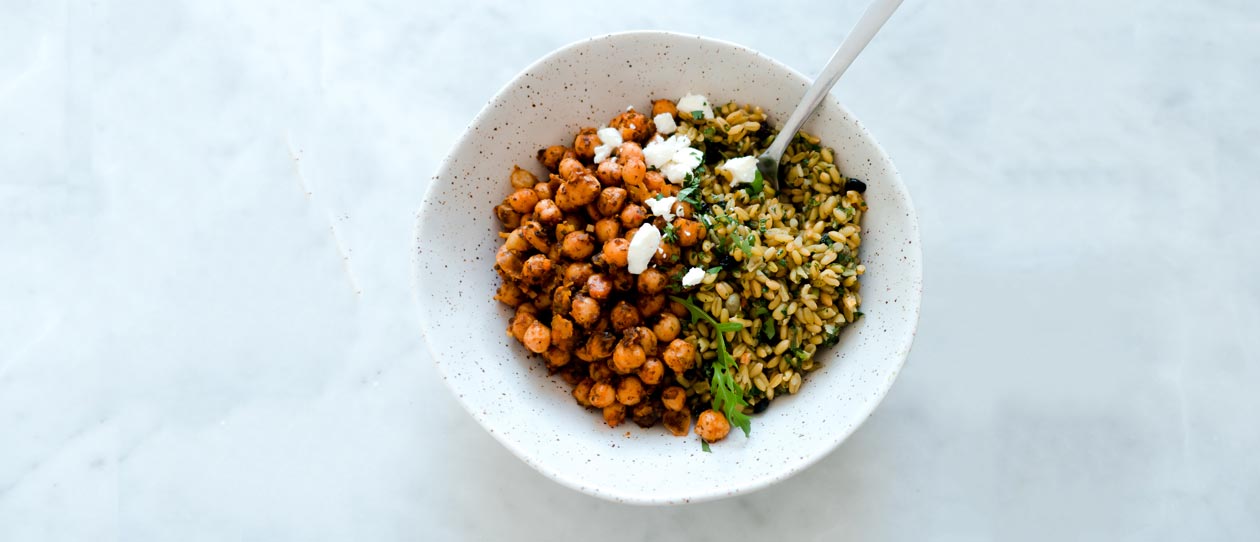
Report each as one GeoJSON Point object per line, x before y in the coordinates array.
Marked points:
{"type": "Point", "coordinates": [544, 191]}
{"type": "Point", "coordinates": [507, 216]}
{"type": "Point", "coordinates": [522, 178]}
{"type": "Point", "coordinates": [680, 355]}
{"type": "Point", "coordinates": [510, 263]}
{"type": "Point", "coordinates": [563, 333]}
{"type": "Point", "coordinates": [578, 272]}
{"type": "Point", "coordinates": [678, 422]}
{"type": "Point", "coordinates": [651, 305]}
{"type": "Point", "coordinates": [633, 171]}
{"type": "Point", "coordinates": [536, 270]}
{"type": "Point", "coordinates": [602, 394]}
{"type": "Point", "coordinates": [611, 200]}
{"type": "Point", "coordinates": [652, 281]}
{"type": "Point", "coordinates": [674, 398]}
{"type": "Point", "coordinates": [645, 414]}
{"type": "Point", "coordinates": [629, 151]}
{"type": "Point", "coordinates": [537, 337]}
{"type": "Point", "coordinates": [557, 357]}
{"type": "Point", "coordinates": [624, 316]}
{"type": "Point", "coordinates": [547, 212]}
{"type": "Point", "coordinates": [667, 327]}
{"type": "Point", "coordinates": [523, 200]}
{"type": "Point", "coordinates": [599, 286]}
{"type": "Point", "coordinates": [651, 371]}
{"type": "Point", "coordinates": [633, 125]}
{"type": "Point", "coordinates": [617, 252]}
{"type": "Point", "coordinates": [578, 245]}
{"type": "Point", "coordinates": [633, 215]}
{"type": "Point", "coordinates": [582, 392]}
{"type": "Point", "coordinates": [609, 173]}
{"type": "Point", "coordinates": [627, 357]}
{"type": "Point", "coordinates": [571, 168]}
{"type": "Point", "coordinates": [664, 106]}
{"type": "Point", "coordinates": [614, 414]}
{"type": "Point", "coordinates": [689, 232]}
{"type": "Point", "coordinates": [607, 229]}
{"type": "Point", "coordinates": [585, 142]}
{"type": "Point", "coordinates": [712, 426]}
{"type": "Point", "coordinates": [584, 310]}
{"type": "Point", "coordinates": [510, 294]}
{"type": "Point", "coordinates": [629, 391]}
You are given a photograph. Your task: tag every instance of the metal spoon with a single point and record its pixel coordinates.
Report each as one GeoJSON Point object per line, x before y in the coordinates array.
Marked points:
{"type": "Point", "coordinates": [876, 15]}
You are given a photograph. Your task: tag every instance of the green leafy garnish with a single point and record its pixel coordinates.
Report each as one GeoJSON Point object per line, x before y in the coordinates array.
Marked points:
{"type": "Point", "coordinates": [697, 115]}
{"type": "Point", "coordinates": [768, 329]}
{"type": "Point", "coordinates": [757, 185]}
{"type": "Point", "coordinates": [713, 270]}
{"type": "Point", "coordinates": [704, 445]}
{"type": "Point", "coordinates": [708, 131]}
{"type": "Point", "coordinates": [728, 397]}
{"type": "Point", "coordinates": [744, 244]}
{"type": "Point", "coordinates": [669, 235]}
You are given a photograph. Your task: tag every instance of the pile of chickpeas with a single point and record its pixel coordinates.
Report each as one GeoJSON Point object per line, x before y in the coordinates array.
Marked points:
{"type": "Point", "coordinates": [614, 336]}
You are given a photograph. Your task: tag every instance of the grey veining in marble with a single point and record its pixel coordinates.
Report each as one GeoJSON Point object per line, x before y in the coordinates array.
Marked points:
{"type": "Point", "coordinates": [206, 320]}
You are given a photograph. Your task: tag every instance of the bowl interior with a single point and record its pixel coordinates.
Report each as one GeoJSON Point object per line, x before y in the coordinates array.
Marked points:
{"type": "Point", "coordinates": [510, 393]}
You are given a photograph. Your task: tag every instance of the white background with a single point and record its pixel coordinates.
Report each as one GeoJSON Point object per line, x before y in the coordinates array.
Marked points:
{"type": "Point", "coordinates": [207, 329]}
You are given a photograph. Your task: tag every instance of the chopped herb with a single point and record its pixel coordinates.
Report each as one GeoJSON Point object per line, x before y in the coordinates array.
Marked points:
{"type": "Point", "coordinates": [768, 329]}
{"type": "Point", "coordinates": [744, 244]}
{"type": "Point", "coordinates": [713, 270]}
{"type": "Point", "coordinates": [669, 235]}
{"type": "Point", "coordinates": [658, 197]}
{"type": "Point", "coordinates": [757, 185]}
{"type": "Point", "coordinates": [708, 131]}
{"type": "Point", "coordinates": [728, 396]}
{"type": "Point", "coordinates": [697, 115]}
{"type": "Point", "coordinates": [704, 445]}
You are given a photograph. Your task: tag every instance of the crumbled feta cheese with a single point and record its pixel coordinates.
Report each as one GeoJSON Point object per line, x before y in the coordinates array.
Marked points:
{"type": "Point", "coordinates": [642, 248]}
{"type": "Point", "coordinates": [609, 139]}
{"type": "Point", "coordinates": [674, 157]}
{"type": "Point", "coordinates": [694, 102]}
{"type": "Point", "coordinates": [665, 123]}
{"type": "Point", "coordinates": [662, 207]}
{"type": "Point", "coordinates": [743, 169]}
{"type": "Point", "coordinates": [693, 277]}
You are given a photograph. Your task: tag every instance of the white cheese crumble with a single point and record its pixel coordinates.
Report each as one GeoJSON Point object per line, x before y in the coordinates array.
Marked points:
{"type": "Point", "coordinates": [693, 277]}
{"type": "Point", "coordinates": [642, 248]}
{"type": "Point", "coordinates": [665, 123]}
{"type": "Point", "coordinates": [743, 170]}
{"type": "Point", "coordinates": [694, 102]}
{"type": "Point", "coordinates": [674, 157]}
{"type": "Point", "coordinates": [609, 139]}
{"type": "Point", "coordinates": [662, 207]}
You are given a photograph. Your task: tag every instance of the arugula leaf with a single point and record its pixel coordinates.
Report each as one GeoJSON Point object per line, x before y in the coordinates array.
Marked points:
{"type": "Point", "coordinates": [697, 115]}
{"type": "Point", "coordinates": [727, 327]}
{"type": "Point", "coordinates": [728, 397]}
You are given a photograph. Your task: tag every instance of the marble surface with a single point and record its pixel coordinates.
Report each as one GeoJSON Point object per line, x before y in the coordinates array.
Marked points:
{"type": "Point", "coordinates": [208, 330]}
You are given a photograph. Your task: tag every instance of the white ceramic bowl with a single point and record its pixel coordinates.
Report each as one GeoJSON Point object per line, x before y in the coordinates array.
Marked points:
{"type": "Point", "coordinates": [510, 394]}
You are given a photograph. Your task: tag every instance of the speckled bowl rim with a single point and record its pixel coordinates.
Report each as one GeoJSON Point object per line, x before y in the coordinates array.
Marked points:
{"type": "Point", "coordinates": [704, 494]}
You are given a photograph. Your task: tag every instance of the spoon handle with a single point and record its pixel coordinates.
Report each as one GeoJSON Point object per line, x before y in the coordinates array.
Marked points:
{"type": "Point", "coordinates": [876, 15]}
